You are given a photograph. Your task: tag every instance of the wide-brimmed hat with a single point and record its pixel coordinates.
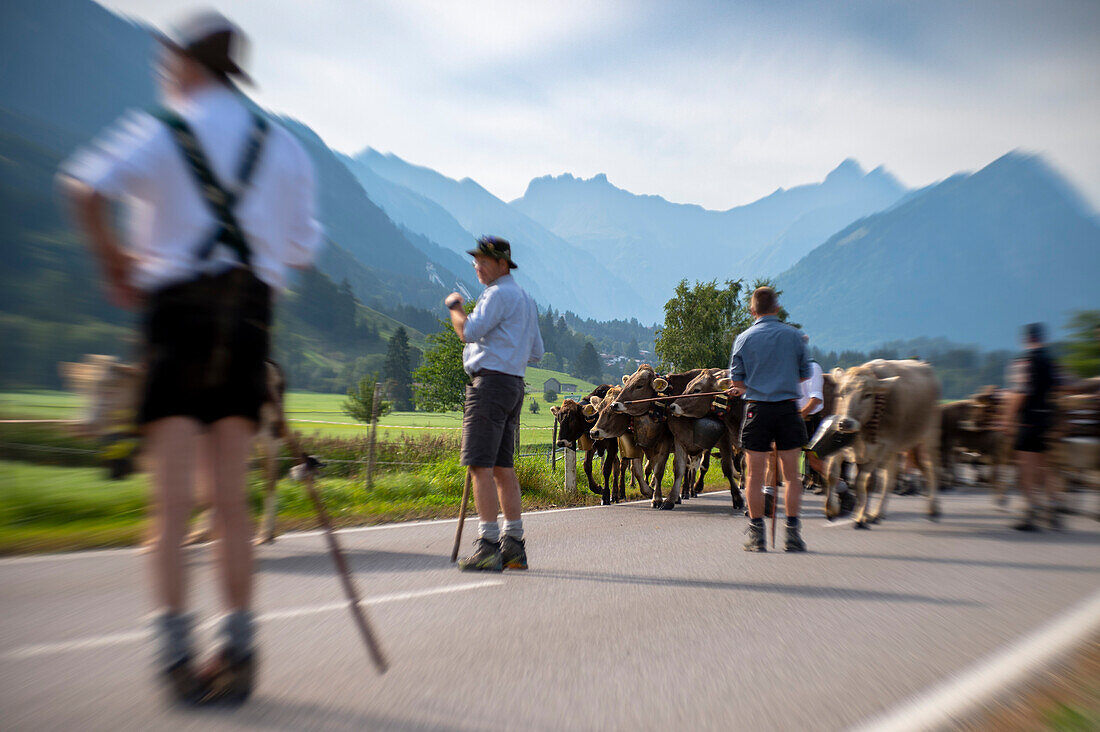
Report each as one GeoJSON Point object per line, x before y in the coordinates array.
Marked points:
{"type": "Point", "coordinates": [211, 39]}
{"type": "Point", "coordinates": [495, 247]}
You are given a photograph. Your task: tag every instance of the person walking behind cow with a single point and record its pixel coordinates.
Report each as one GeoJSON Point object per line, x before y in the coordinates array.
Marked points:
{"type": "Point", "coordinates": [221, 204]}
{"type": "Point", "coordinates": [768, 362]}
{"type": "Point", "coordinates": [1032, 380]}
{"type": "Point", "coordinates": [501, 337]}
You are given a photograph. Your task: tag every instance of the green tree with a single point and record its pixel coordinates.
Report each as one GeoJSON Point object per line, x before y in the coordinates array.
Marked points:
{"type": "Point", "coordinates": [534, 406]}
{"type": "Point", "coordinates": [398, 371]}
{"type": "Point", "coordinates": [1083, 347]}
{"type": "Point", "coordinates": [588, 366]}
{"type": "Point", "coordinates": [700, 324]}
{"type": "Point", "coordinates": [550, 395]}
{"type": "Point", "coordinates": [439, 384]}
{"type": "Point", "coordinates": [552, 361]}
{"type": "Point", "coordinates": [360, 402]}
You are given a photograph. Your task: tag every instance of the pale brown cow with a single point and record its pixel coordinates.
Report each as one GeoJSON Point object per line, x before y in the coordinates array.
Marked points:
{"type": "Point", "coordinates": [891, 407]}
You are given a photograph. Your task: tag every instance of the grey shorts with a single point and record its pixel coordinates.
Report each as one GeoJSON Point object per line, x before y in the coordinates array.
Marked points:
{"type": "Point", "coordinates": [494, 402]}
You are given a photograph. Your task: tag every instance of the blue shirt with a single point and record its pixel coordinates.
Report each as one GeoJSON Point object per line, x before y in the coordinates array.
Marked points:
{"type": "Point", "coordinates": [502, 332]}
{"type": "Point", "coordinates": [771, 358]}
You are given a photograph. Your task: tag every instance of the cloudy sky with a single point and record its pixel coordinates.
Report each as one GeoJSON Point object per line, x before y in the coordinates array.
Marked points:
{"type": "Point", "coordinates": [715, 103]}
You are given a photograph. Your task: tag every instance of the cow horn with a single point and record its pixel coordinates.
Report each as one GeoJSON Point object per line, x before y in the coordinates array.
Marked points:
{"type": "Point", "coordinates": [884, 385]}
{"type": "Point", "coordinates": [724, 384]}
{"type": "Point", "coordinates": [626, 378]}
{"type": "Point", "coordinates": [660, 383]}
{"type": "Point", "coordinates": [838, 374]}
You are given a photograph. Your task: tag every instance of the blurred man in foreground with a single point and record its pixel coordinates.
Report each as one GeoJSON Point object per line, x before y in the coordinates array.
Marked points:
{"type": "Point", "coordinates": [501, 337]}
{"type": "Point", "coordinates": [220, 202]}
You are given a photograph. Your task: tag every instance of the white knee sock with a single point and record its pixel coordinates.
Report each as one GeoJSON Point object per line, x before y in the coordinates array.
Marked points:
{"type": "Point", "coordinates": [489, 530]}
{"type": "Point", "coordinates": [514, 529]}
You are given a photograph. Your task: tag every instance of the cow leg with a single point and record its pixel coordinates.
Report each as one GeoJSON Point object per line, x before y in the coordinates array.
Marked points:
{"type": "Point", "coordinates": [833, 467]}
{"type": "Point", "coordinates": [610, 470]}
{"type": "Point", "coordinates": [864, 476]}
{"type": "Point", "coordinates": [658, 464]}
{"type": "Point", "coordinates": [727, 470]}
{"type": "Point", "coordinates": [889, 476]}
{"type": "Point", "coordinates": [638, 471]}
{"type": "Point", "coordinates": [926, 458]}
{"type": "Point", "coordinates": [679, 471]}
{"type": "Point", "coordinates": [592, 484]}
{"type": "Point", "coordinates": [267, 527]}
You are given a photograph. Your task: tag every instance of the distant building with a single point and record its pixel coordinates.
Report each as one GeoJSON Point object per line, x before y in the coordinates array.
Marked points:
{"type": "Point", "coordinates": [556, 386]}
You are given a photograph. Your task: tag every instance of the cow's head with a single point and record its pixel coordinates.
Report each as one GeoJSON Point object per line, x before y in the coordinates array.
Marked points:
{"type": "Point", "coordinates": [609, 422]}
{"type": "Point", "coordinates": [638, 385]}
{"type": "Point", "coordinates": [984, 409]}
{"type": "Point", "coordinates": [575, 418]}
{"type": "Point", "coordinates": [857, 390]}
{"type": "Point", "coordinates": [109, 390]}
{"type": "Point", "coordinates": [708, 381]}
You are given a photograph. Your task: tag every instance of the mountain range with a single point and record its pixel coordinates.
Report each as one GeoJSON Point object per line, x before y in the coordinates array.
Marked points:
{"type": "Point", "coordinates": [860, 258]}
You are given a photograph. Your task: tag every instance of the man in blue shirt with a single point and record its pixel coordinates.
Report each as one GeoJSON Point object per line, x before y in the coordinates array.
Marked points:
{"type": "Point", "coordinates": [768, 362]}
{"type": "Point", "coordinates": [501, 337]}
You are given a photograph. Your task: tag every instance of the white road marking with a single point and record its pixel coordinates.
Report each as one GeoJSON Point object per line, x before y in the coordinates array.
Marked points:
{"type": "Point", "coordinates": [81, 644]}
{"type": "Point", "coordinates": [942, 706]}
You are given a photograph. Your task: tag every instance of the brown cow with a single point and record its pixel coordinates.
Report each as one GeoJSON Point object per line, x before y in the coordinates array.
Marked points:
{"type": "Point", "coordinates": [687, 414]}
{"type": "Point", "coordinates": [111, 391]}
{"type": "Point", "coordinates": [643, 437]}
{"type": "Point", "coordinates": [573, 429]}
{"type": "Point", "coordinates": [890, 407]}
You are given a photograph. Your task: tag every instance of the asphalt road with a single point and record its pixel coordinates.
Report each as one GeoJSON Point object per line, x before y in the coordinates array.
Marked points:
{"type": "Point", "coordinates": [629, 619]}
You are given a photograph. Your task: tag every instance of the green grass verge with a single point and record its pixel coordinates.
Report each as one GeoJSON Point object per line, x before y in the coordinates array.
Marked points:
{"type": "Point", "coordinates": [56, 508]}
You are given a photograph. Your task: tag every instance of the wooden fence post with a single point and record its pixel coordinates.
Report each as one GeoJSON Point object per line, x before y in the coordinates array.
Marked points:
{"type": "Point", "coordinates": [373, 434]}
{"type": "Point", "coordinates": [554, 448]}
{"type": "Point", "coordinates": [570, 470]}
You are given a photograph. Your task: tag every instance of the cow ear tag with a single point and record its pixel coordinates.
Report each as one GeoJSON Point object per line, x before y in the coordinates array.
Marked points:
{"type": "Point", "coordinates": [660, 384]}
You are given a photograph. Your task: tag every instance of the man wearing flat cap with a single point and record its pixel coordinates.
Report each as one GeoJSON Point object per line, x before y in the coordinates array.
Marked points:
{"type": "Point", "coordinates": [221, 205]}
{"type": "Point", "coordinates": [501, 337]}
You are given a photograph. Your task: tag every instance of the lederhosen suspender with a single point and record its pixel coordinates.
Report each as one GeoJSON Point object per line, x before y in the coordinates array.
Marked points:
{"type": "Point", "coordinates": [221, 201]}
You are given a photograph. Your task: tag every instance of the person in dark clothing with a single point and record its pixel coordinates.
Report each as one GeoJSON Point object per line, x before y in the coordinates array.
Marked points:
{"type": "Point", "coordinates": [1032, 382]}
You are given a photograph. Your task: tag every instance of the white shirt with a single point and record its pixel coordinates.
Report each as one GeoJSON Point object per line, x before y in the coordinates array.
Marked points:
{"type": "Point", "coordinates": [813, 388]}
{"type": "Point", "coordinates": [502, 332]}
{"type": "Point", "coordinates": [138, 162]}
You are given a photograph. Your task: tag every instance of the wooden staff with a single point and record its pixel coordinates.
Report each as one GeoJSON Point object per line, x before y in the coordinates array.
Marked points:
{"type": "Point", "coordinates": [461, 516]}
{"type": "Point", "coordinates": [309, 465]}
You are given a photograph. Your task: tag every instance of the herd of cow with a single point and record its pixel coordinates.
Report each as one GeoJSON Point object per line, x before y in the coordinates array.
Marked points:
{"type": "Point", "coordinates": [888, 412]}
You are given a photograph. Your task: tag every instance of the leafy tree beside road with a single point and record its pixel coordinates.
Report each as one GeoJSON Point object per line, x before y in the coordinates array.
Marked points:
{"type": "Point", "coordinates": [398, 371]}
{"type": "Point", "coordinates": [439, 385]}
{"type": "Point", "coordinates": [360, 402]}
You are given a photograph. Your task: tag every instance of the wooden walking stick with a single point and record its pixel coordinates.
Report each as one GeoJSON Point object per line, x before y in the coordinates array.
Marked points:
{"type": "Point", "coordinates": [308, 467]}
{"type": "Point", "coordinates": [461, 516]}
{"type": "Point", "coordinates": [775, 498]}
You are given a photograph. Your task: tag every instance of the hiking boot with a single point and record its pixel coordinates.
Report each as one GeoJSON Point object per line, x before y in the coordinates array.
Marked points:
{"type": "Point", "coordinates": [486, 558]}
{"type": "Point", "coordinates": [228, 677]}
{"type": "Point", "coordinates": [513, 553]}
{"type": "Point", "coordinates": [794, 539]}
{"type": "Point", "coordinates": [755, 541]}
{"type": "Point", "coordinates": [183, 684]}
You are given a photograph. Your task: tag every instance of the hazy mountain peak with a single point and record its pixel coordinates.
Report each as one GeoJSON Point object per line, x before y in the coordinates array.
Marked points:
{"type": "Point", "coordinates": [849, 170]}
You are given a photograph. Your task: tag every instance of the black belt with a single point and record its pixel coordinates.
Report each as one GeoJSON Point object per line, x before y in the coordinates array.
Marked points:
{"type": "Point", "coordinates": [491, 372]}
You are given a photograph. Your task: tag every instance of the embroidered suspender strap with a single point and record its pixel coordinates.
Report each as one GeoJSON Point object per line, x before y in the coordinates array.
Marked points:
{"type": "Point", "coordinates": [220, 200]}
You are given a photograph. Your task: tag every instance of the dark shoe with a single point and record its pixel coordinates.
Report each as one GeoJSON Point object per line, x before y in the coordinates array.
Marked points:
{"type": "Point", "coordinates": [755, 541]}
{"type": "Point", "coordinates": [794, 540]}
{"type": "Point", "coordinates": [513, 553]}
{"type": "Point", "coordinates": [486, 558]}
{"type": "Point", "coordinates": [1028, 524]}
{"type": "Point", "coordinates": [184, 685]}
{"type": "Point", "coordinates": [847, 502]}
{"type": "Point", "coordinates": [228, 678]}
{"type": "Point", "coordinates": [769, 505]}
{"type": "Point", "coordinates": [1054, 521]}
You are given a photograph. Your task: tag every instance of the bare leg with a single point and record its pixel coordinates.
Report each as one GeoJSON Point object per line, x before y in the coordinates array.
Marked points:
{"type": "Point", "coordinates": [755, 466]}
{"type": "Point", "coordinates": [792, 489]}
{"type": "Point", "coordinates": [231, 439]}
{"type": "Point", "coordinates": [507, 490]}
{"type": "Point", "coordinates": [173, 444]}
{"type": "Point", "coordinates": [485, 494]}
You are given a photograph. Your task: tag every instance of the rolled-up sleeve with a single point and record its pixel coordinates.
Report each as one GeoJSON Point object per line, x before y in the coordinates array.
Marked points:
{"type": "Point", "coordinates": [817, 384]}
{"type": "Point", "coordinates": [305, 232]}
{"type": "Point", "coordinates": [486, 315]}
{"type": "Point", "coordinates": [123, 160]}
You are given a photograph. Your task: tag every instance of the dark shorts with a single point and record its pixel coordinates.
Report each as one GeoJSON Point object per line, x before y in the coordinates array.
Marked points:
{"type": "Point", "coordinates": [1032, 434]}
{"type": "Point", "coordinates": [206, 343]}
{"type": "Point", "coordinates": [494, 402]}
{"type": "Point", "coordinates": [766, 423]}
